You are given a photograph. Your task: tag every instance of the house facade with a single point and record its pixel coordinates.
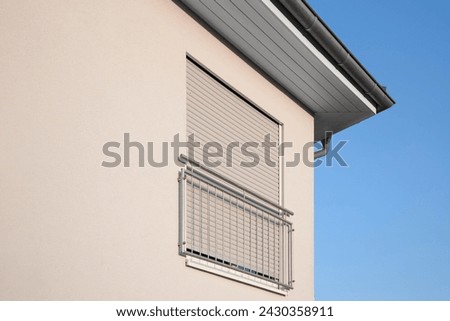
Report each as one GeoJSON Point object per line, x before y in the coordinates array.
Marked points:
{"type": "Point", "coordinates": [141, 143]}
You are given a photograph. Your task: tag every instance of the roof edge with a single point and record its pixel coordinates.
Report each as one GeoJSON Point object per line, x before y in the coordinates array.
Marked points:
{"type": "Point", "coordinates": [343, 58]}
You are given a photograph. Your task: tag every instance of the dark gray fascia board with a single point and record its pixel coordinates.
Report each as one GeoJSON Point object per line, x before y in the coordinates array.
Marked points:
{"type": "Point", "coordinates": [311, 23]}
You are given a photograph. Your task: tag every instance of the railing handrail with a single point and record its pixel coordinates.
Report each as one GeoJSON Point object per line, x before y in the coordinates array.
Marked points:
{"type": "Point", "coordinates": [230, 191]}
{"type": "Point", "coordinates": [186, 160]}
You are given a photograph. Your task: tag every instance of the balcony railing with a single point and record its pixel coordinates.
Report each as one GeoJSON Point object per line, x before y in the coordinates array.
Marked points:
{"type": "Point", "coordinates": [224, 223]}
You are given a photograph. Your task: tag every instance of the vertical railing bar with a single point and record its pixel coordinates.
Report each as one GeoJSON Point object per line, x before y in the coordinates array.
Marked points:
{"type": "Point", "coordinates": [250, 237]}
{"type": "Point", "coordinates": [266, 224]}
{"type": "Point", "coordinates": [215, 224]}
{"type": "Point", "coordinates": [244, 240]}
{"type": "Point", "coordinates": [262, 240]}
{"type": "Point", "coordinates": [280, 252]}
{"type": "Point", "coordinates": [236, 259]}
{"type": "Point", "coordinates": [283, 262]}
{"type": "Point", "coordinates": [223, 236]}
{"type": "Point", "coordinates": [208, 222]}
{"type": "Point", "coordinates": [193, 213]}
{"type": "Point", "coordinates": [244, 243]}
{"type": "Point", "coordinates": [290, 256]}
{"type": "Point", "coordinates": [237, 232]}
{"type": "Point", "coordinates": [201, 218]}
{"type": "Point", "coordinates": [257, 252]}
{"type": "Point", "coordinates": [181, 208]}
{"type": "Point", "coordinates": [266, 227]}
{"type": "Point", "coordinates": [241, 235]}
{"type": "Point", "coordinates": [274, 251]}
{"type": "Point", "coordinates": [229, 229]}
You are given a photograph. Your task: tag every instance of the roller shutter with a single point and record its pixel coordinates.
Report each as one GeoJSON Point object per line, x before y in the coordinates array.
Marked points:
{"type": "Point", "coordinates": [215, 113]}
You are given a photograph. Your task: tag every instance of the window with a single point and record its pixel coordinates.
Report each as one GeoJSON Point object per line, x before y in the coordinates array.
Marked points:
{"type": "Point", "coordinates": [231, 220]}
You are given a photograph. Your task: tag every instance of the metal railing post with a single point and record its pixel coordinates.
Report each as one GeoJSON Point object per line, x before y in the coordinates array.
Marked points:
{"type": "Point", "coordinates": [181, 211]}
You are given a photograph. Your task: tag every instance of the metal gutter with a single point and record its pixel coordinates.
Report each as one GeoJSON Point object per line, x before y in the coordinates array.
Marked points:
{"type": "Point", "coordinates": [325, 146]}
{"type": "Point", "coordinates": [342, 57]}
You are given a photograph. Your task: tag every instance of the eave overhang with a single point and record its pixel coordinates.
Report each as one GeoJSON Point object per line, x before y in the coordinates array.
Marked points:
{"type": "Point", "coordinates": [295, 60]}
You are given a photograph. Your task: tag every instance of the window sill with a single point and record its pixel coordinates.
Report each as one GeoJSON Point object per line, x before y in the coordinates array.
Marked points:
{"type": "Point", "coordinates": [233, 275]}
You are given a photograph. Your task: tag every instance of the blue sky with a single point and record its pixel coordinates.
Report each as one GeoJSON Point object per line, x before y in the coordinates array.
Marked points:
{"type": "Point", "coordinates": [383, 224]}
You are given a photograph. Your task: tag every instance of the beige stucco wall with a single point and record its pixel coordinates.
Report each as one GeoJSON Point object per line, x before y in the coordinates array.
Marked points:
{"type": "Point", "coordinates": [77, 74]}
